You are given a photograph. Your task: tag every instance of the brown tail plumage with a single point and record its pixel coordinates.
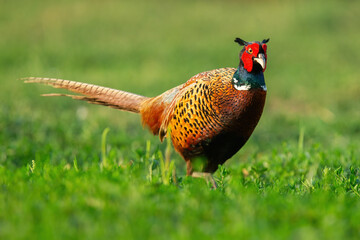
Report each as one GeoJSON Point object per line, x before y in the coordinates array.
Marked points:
{"type": "Point", "coordinates": [94, 94]}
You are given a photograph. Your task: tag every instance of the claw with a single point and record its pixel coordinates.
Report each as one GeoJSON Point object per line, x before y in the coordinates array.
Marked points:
{"type": "Point", "coordinates": [207, 176]}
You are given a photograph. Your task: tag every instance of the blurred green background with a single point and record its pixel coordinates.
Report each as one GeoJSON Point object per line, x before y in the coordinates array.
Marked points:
{"type": "Point", "coordinates": [147, 47]}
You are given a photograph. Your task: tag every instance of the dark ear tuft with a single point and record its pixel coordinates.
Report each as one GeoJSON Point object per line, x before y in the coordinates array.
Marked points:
{"type": "Point", "coordinates": [265, 40]}
{"type": "Point", "coordinates": [240, 41]}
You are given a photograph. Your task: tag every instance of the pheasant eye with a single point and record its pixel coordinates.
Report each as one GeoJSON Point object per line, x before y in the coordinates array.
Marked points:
{"type": "Point", "coordinates": [250, 50]}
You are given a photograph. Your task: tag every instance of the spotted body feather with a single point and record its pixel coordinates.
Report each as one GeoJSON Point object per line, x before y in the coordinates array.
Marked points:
{"type": "Point", "coordinates": [211, 116]}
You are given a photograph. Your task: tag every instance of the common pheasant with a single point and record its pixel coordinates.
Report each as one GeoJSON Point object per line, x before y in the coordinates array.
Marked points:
{"type": "Point", "coordinates": [210, 117]}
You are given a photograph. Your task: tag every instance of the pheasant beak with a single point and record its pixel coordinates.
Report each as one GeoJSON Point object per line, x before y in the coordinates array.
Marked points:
{"type": "Point", "coordinates": [261, 60]}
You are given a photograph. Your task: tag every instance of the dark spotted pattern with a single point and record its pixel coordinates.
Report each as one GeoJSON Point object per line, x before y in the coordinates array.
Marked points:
{"type": "Point", "coordinates": [207, 117]}
{"type": "Point", "coordinates": [212, 119]}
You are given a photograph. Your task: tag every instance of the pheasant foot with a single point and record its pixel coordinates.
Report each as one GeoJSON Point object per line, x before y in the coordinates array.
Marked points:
{"type": "Point", "coordinates": [207, 176]}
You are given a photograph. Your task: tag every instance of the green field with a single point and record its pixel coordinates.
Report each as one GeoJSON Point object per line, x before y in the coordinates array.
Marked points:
{"type": "Point", "coordinates": [62, 177]}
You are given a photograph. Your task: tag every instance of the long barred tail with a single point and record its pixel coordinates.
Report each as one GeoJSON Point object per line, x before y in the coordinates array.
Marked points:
{"type": "Point", "coordinates": [93, 94]}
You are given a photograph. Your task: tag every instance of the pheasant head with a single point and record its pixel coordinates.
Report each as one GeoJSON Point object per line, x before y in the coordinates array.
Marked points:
{"type": "Point", "coordinates": [253, 55]}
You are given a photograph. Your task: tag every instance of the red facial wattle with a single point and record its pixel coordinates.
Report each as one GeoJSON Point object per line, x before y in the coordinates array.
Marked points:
{"type": "Point", "coordinates": [247, 60]}
{"type": "Point", "coordinates": [264, 46]}
{"type": "Point", "coordinates": [252, 51]}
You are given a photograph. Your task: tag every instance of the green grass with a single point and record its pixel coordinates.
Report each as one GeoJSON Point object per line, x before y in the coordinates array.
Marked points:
{"type": "Point", "coordinates": [63, 176]}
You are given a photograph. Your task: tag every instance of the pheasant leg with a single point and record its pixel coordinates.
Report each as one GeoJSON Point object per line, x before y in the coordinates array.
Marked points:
{"type": "Point", "coordinates": [207, 176]}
